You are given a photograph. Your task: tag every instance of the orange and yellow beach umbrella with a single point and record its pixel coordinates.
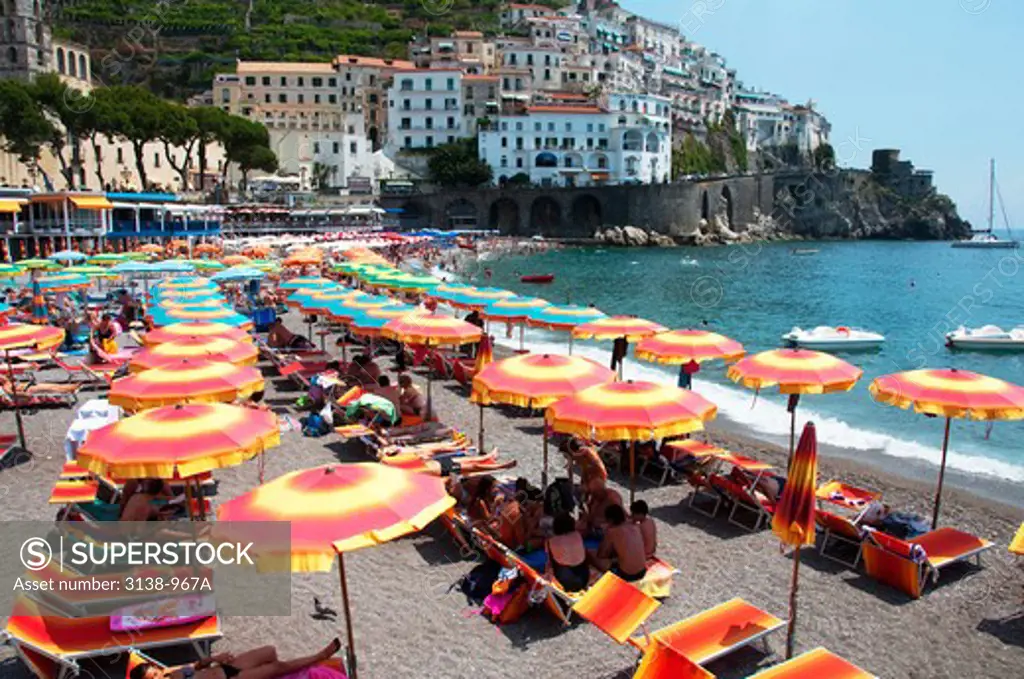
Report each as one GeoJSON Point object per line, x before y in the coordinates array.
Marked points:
{"type": "Point", "coordinates": [432, 330]}
{"type": "Point", "coordinates": [795, 372]}
{"type": "Point", "coordinates": [614, 327]}
{"type": "Point", "coordinates": [235, 260]}
{"type": "Point", "coordinates": [679, 347]}
{"type": "Point", "coordinates": [185, 381]}
{"type": "Point", "coordinates": [630, 411]}
{"type": "Point", "coordinates": [534, 381]}
{"type": "Point", "coordinates": [194, 330]}
{"type": "Point", "coordinates": [336, 509]}
{"type": "Point", "coordinates": [25, 336]}
{"type": "Point", "coordinates": [180, 440]}
{"type": "Point", "coordinates": [950, 393]}
{"type": "Point", "coordinates": [793, 522]}
{"type": "Point", "coordinates": [195, 348]}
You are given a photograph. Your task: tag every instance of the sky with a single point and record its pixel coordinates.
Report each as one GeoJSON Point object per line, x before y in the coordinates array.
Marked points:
{"type": "Point", "coordinates": [938, 79]}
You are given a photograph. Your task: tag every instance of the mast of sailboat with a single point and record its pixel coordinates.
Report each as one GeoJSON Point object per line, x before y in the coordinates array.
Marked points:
{"type": "Point", "coordinates": [991, 193]}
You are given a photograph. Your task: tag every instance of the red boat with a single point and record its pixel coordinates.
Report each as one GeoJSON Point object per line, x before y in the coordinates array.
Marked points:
{"type": "Point", "coordinates": [537, 278]}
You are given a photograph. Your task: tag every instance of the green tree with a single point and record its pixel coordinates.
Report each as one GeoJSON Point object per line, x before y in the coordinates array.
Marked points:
{"type": "Point", "coordinates": [105, 119]}
{"type": "Point", "coordinates": [23, 125]}
{"type": "Point", "coordinates": [66, 107]}
{"type": "Point", "coordinates": [243, 140]}
{"type": "Point", "coordinates": [255, 158]}
{"type": "Point", "coordinates": [824, 157]}
{"type": "Point", "coordinates": [178, 129]}
{"type": "Point", "coordinates": [459, 164]}
{"type": "Point", "coordinates": [143, 124]}
{"type": "Point", "coordinates": [210, 125]}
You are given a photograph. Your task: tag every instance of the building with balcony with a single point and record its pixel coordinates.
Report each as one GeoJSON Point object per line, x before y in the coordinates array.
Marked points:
{"type": "Point", "coordinates": [624, 138]}
{"type": "Point", "coordinates": [466, 51]}
{"type": "Point", "coordinates": [515, 14]}
{"type": "Point", "coordinates": [425, 109]}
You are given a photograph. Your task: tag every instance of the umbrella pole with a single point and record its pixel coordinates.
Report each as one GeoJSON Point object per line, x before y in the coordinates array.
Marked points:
{"type": "Point", "coordinates": [188, 500]}
{"type": "Point", "coordinates": [480, 436]}
{"type": "Point", "coordinates": [544, 474]}
{"type": "Point", "coordinates": [570, 343]}
{"type": "Point", "coordinates": [632, 470]}
{"type": "Point", "coordinates": [14, 397]}
{"type": "Point", "coordinates": [351, 651]}
{"type": "Point", "coordinates": [522, 332]}
{"type": "Point", "coordinates": [942, 474]}
{"type": "Point", "coordinates": [430, 398]}
{"type": "Point", "coordinates": [791, 630]}
{"type": "Point", "coordinates": [794, 399]}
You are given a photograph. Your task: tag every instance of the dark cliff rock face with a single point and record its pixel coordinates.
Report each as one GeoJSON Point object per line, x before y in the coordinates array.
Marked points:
{"type": "Point", "coordinates": [853, 205]}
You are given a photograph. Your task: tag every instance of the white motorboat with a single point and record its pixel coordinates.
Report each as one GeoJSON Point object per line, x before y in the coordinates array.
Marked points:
{"type": "Point", "coordinates": [987, 338]}
{"type": "Point", "coordinates": [986, 239]}
{"type": "Point", "coordinates": [828, 338]}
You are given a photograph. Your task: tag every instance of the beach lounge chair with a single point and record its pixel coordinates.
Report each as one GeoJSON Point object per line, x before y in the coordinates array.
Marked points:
{"type": "Point", "coordinates": [440, 365]}
{"type": "Point", "coordinates": [9, 449]}
{"type": "Point", "coordinates": [817, 664]}
{"type": "Point", "coordinates": [54, 399]}
{"type": "Point", "coordinates": [463, 371]}
{"type": "Point", "coordinates": [615, 607]}
{"type": "Point", "coordinates": [98, 373]}
{"type": "Point", "coordinates": [744, 501]}
{"type": "Point", "coordinates": [35, 627]}
{"type": "Point", "coordinates": [908, 565]}
{"type": "Point", "coordinates": [135, 658]}
{"type": "Point", "coordinates": [664, 662]}
{"type": "Point", "coordinates": [73, 491]}
{"type": "Point", "coordinates": [716, 632]}
{"type": "Point", "coordinates": [842, 530]}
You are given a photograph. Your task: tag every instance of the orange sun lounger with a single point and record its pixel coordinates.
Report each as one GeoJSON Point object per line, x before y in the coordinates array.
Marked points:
{"type": "Point", "coordinates": [1017, 544]}
{"type": "Point", "coordinates": [35, 627]}
{"type": "Point", "coordinates": [817, 664]}
{"type": "Point", "coordinates": [839, 529]}
{"type": "Point", "coordinates": [907, 565]}
{"type": "Point", "coordinates": [716, 632]}
{"type": "Point", "coordinates": [71, 491]}
{"type": "Point", "coordinates": [663, 662]}
{"type": "Point", "coordinates": [615, 607]}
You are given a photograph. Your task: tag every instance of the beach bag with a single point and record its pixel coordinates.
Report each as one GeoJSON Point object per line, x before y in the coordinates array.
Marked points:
{"type": "Point", "coordinates": [508, 599]}
{"type": "Point", "coordinates": [314, 426]}
{"type": "Point", "coordinates": [558, 497]}
{"type": "Point", "coordinates": [477, 584]}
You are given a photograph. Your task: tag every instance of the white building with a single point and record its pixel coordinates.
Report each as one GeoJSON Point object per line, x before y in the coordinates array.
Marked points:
{"type": "Point", "coordinates": [543, 63]}
{"type": "Point", "coordinates": [515, 13]}
{"type": "Point", "coordinates": [425, 109]}
{"type": "Point", "coordinates": [625, 139]}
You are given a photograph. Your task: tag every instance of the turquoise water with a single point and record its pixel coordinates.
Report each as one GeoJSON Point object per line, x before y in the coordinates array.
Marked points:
{"type": "Point", "coordinates": [913, 293]}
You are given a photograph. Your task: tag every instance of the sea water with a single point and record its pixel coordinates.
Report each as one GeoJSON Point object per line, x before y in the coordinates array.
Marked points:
{"type": "Point", "coordinates": [913, 293]}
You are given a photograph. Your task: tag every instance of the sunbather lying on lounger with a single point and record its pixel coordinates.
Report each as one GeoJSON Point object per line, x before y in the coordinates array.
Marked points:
{"type": "Point", "coordinates": [423, 450]}
{"type": "Point", "coordinates": [281, 337]}
{"type": "Point", "coordinates": [40, 387]}
{"type": "Point", "coordinates": [768, 485]}
{"type": "Point", "coordinates": [259, 663]}
{"type": "Point", "coordinates": [450, 466]}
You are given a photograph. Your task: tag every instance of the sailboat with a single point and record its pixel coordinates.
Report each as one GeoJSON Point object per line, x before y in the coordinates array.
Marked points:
{"type": "Point", "coordinates": [986, 238]}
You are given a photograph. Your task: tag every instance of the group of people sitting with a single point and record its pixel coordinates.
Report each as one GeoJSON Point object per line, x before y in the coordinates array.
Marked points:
{"type": "Point", "coordinates": [545, 528]}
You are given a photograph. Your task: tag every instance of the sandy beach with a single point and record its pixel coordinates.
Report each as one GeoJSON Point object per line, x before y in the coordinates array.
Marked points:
{"type": "Point", "coordinates": [408, 623]}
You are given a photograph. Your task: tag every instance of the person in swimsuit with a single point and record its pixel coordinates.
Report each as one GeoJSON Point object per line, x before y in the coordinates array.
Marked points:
{"type": "Point", "coordinates": [567, 557]}
{"type": "Point", "coordinates": [622, 549]}
{"type": "Point", "coordinates": [281, 337]}
{"type": "Point", "coordinates": [449, 466]}
{"type": "Point", "coordinates": [640, 515]}
{"type": "Point", "coordinates": [260, 663]}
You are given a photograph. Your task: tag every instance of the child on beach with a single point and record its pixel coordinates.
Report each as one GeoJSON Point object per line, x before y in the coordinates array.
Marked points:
{"type": "Point", "coordinates": [622, 548]}
{"type": "Point", "coordinates": [638, 514]}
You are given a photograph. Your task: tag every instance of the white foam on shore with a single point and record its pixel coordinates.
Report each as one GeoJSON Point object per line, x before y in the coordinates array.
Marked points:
{"type": "Point", "coordinates": [768, 419]}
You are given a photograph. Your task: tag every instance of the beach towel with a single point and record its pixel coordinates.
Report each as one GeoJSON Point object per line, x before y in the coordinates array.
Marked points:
{"type": "Point", "coordinates": [317, 672]}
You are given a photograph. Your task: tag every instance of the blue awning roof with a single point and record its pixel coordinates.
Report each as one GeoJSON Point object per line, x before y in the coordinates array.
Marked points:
{"type": "Point", "coordinates": [675, 71]}
{"type": "Point", "coordinates": [128, 197]}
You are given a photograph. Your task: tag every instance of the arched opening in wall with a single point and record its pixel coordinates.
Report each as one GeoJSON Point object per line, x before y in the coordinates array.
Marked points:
{"type": "Point", "coordinates": [61, 67]}
{"type": "Point", "coordinates": [460, 214]}
{"type": "Point", "coordinates": [545, 216]}
{"type": "Point", "coordinates": [374, 138]}
{"type": "Point", "coordinates": [725, 207]}
{"type": "Point", "coordinates": [12, 55]}
{"type": "Point", "coordinates": [72, 65]}
{"type": "Point", "coordinates": [546, 159]}
{"type": "Point", "coordinates": [39, 33]}
{"type": "Point", "coordinates": [633, 140]}
{"type": "Point", "coordinates": [504, 216]}
{"type": "Point", "coordinates": [586, 215]}
{"type": "Point", "coordinates": [705, 211]}
{"type": "Point", "coordinates": [83, 69]}
{"type": "Point", "coordinates": [653, 143]}
{"type": "Point", "coordinates": [415, 215]}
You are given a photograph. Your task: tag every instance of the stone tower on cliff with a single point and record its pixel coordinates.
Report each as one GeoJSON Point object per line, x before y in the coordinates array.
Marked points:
{"type": "Point", "coordinates": [26, 47]}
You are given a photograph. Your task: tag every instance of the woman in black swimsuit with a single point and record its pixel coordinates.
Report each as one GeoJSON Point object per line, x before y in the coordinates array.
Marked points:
{"type": "Point", "coordinates": [572, 577]}
{"type": "Point", "coordinates": [260, 663]}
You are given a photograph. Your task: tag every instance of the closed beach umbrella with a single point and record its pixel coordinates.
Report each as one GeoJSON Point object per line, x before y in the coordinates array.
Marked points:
{"type": "Point", "coordinates": [793, 521]}
{"type": "Point", "coordinates": [196, 348]}
{"type": "Point", "coordinates": [795, 372]}
{"type": "Point", "coordinates": [336, 509]}
{"type": "Point", "coordinates": [185, 381]}
{"type": "Point", "coordinates": [535, 381]}
{"type": "Point", "coordinates": [630, 411]}
{"type": "Point", "coordinates": [25, 336]}
{"type": "Point", "coordinates": [950, 393]}
{"type": "Point", "coordinates": [179, 441]}
{"type": "Point", "coordinates": [194, 330]}
{"type": "Point", "coordinates": [563, 318]}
